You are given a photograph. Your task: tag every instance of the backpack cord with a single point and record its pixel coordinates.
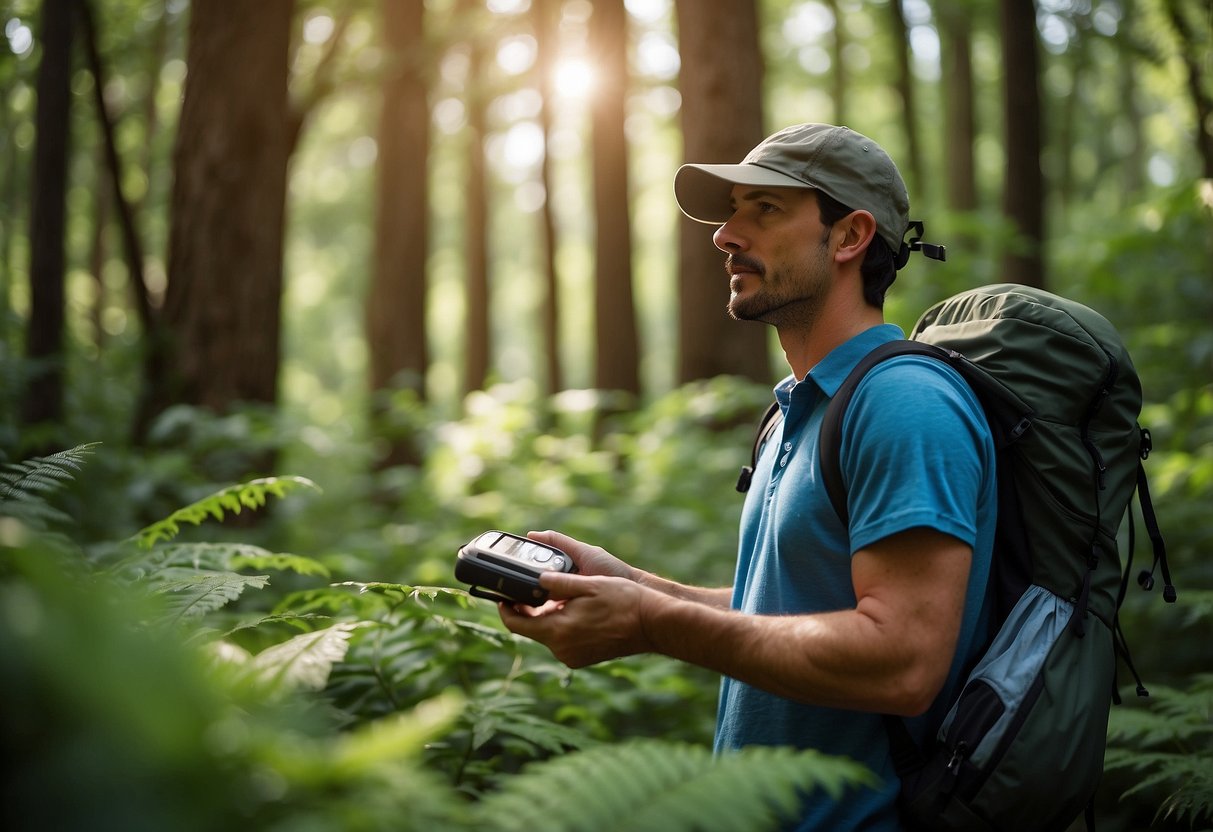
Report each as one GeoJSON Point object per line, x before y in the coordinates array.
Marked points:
{"type": "Point", "coordinates": [1146, 579]}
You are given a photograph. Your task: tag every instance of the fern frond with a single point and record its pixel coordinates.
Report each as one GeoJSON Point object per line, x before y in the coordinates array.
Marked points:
{"type": "Point", "coordinates": [33, 514]}
{"type": "Point", "coordinates": [195, 592]}
{"type": "Point", "coordinates": [1169, 745]}
{"type": "Point", "coordinates": [403, 591]}
{"type": "Point", "coordinates": [231, 500]}
{"type": "Point", "coordinates": [280, 562]}
{"type": "Point", "coordinates": [222, 557]}
{"type": "Point", "coordinates": [666, 787]}
{"type": "Point", "coordinates": [42, 474]}
{"type": "Point", "coordinates": [301, 622]}
{"type": "Point", "coordinates": [305, 660]}
{"type": "Point", "coordinates": [514, 716]}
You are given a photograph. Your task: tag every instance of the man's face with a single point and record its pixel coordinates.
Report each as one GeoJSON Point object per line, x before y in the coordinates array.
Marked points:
{"type": "Point", "coordinates": [778, 255]}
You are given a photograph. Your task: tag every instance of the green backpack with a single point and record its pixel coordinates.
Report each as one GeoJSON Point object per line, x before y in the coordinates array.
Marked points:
{"type": "Point", "coordinates": [1022, 746]}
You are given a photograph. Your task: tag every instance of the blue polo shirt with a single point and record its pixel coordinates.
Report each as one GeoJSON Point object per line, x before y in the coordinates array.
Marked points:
{"type": "Point", "coordinates": [916, 452]}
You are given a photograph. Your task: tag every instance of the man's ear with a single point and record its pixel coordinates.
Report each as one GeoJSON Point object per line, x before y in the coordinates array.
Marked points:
{"type": "Point", "coordinates": [857, 230]}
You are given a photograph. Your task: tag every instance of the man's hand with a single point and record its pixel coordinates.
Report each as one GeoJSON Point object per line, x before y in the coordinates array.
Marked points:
{"type": "Point", "coordinates": [590, 560]}
{"type": "Point", "coordinates": [588, 618]}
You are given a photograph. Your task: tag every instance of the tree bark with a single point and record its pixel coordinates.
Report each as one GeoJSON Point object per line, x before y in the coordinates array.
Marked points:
{"type": "Point", "coordinates": [905, 91]}
{"type": "Point", "coordinates": [1023, 187]}
{"type": "Point", "coordinates": [617, 363]}
{"type": "Point", "coordinates": [1198, 89]}
{"type": "Point", "coordinates": [476, 223]}
{"type": "Point", "coordinates": [223, 302]}
{"type": "Point", "coordinates": [396, 303]}
{"type": "Point", "coordinates": [960, 129]}
{"type": "Point", "coordinates": [721, 122]}
{"type": "Point", "coordinates": [45, 329]}
{"type": "Point", "coordinates": [839, 79]}
{"type": "Point", "coordinates": [545, 36]}
{"type": "Point", "coordinates": [132, 246]}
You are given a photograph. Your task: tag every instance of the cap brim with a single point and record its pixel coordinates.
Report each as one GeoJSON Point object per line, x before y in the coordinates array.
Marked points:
{"type": "Point", "coordinates": [704, 192]}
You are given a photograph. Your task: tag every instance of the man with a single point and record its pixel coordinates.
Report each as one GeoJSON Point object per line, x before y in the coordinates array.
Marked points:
{"type": "Point", "coordinates": [827, 627]}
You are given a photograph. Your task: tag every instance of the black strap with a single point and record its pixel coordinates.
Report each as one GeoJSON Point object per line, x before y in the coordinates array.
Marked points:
{"type": "Point", "coordinates": [830, 441]}
{"type": "Point", "coordinates": [907, 757]}
{"type": "Point", "coordinates": [770, 421]}
{"type": "Point", "coordinates": [1008, 416]}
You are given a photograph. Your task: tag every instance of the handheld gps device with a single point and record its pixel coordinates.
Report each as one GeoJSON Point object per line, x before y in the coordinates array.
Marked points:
{"type": "Point", "coordinates": [506, 567]}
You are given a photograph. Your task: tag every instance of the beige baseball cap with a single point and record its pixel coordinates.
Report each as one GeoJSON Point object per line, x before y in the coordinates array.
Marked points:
{"type": "Point", "coordinates": [848, 166]}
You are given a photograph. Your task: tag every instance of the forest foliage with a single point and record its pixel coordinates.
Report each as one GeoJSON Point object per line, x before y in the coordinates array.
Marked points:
{"type": "Point", "coordinates": [222, 644]}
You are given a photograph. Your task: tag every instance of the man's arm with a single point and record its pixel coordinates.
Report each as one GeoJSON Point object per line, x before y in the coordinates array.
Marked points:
{"type": "Point", "coordinates": [890, 654]}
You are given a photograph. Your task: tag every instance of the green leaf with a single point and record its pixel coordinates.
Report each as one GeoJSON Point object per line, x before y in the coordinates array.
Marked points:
{"type": "Point", "coordinates": [42, 474]}
{"type": "Point", "coordinates": [662, 787]}
{"type": "Point", "coordinates": [195, 592]}
{"type": "Point", "coordinates": [252, 494]}
{"type": "Point", "coordinates": [305, 660]}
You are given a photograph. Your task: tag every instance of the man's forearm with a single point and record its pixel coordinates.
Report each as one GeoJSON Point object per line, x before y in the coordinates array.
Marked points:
{"type": "Point", "coordinates": [719, 597]}
{"type": "Point", "coordinates": [836, 659]}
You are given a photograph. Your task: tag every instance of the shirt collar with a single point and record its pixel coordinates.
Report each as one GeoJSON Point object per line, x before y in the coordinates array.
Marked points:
{"type": "Point", "coordinates": [832, 370]}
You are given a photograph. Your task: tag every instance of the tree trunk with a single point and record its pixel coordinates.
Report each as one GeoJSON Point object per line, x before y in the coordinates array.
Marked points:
{"type": "Point", "coordinates": [396, 304]}
{"type": "Point", "coordinates": [960, 123]}
{"type": "Point", "coordinates": [48, 186]}
{"type": "Point", "coordinates": [545, 33]}
{"type": "Point", "coordinates": [617, 365]}
{"type": "Point", "coordinates": [476, 224]}
{"type": "Point", "coordinates": [223, 301]}
{"type": "Point", "coordinates": [905, 91]}
{"type": "Point", "coordinates": [1073, 112]}
{"type": "Point", "coordinates": [721, 122]}
{"type": "Point", "coordinates": [838, 66]}
{"type": "Point", "coordinates": [132, 246]}
{"type": "Point", "coordinates": [1190, 52]}
{"type": "Point", "coordinates": [1023, 186]}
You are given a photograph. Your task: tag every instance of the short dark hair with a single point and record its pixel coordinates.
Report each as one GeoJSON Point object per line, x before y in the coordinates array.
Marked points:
{"type": "Point", "coordinates": [878, 269]}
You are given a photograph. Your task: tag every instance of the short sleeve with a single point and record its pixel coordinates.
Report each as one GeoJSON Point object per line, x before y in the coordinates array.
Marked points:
{"type": "Point", "coordinates": [915, 452]}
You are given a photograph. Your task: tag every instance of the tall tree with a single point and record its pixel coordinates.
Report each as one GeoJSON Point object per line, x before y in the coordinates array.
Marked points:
{"type": "Point", "coordinates": [905, 91]}
{"type": "Point", "coordinates": [839, 78]}
{"type": "Point", "coordinates": [960, 127]}
{"type": "Point", "coordinates": [227, 206]}
{"type": "Point", "coordinates": [617, 363]}
{"type": "Point", "coordinates": [396, 303]}
{"type": "Point", "coordinates": [721, 121]}
{"type": "Point", "coordinates": [1191, 50]}
{"type": "Point", "coordinates": [476, 221]}
{"type": "Point", "coordinates": [1023, 186]}
{"type": "Point", "coordinates": [132, 246]}
{"type": "Point", "coordinates": [45, 331]}
{"type": "Point", "coordinates": [544, 12]}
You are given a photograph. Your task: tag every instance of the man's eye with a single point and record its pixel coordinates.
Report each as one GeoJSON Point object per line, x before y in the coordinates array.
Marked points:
{"type": "Point", "coordinates": [767, 207]}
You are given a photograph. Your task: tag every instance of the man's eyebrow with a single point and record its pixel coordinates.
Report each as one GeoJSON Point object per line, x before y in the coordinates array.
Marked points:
{"type": "Point", "coordinates": [750, 196]}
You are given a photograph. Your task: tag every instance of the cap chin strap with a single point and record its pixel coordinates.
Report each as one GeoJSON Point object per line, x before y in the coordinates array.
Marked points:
{"type": "Point", "coordinates": [915, 244]}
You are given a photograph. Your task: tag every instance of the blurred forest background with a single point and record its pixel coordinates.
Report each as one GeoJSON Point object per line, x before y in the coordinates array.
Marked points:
{"type": "Point", "coordinates": [361, 279]}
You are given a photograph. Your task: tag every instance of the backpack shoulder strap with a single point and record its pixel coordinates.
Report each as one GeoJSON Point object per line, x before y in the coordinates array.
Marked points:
{"type": "Point", "coordinates": [830, 440]}
{"type": "Point", "coordinates": [770, 421]}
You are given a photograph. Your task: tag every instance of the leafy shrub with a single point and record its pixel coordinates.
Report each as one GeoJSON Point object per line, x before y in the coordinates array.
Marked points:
{"type": "Point", "coordinates": [147, 686]}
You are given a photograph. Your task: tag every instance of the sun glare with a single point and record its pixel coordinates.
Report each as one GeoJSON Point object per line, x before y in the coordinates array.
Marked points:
{"type": "Point", "coordinates": [574, 78]}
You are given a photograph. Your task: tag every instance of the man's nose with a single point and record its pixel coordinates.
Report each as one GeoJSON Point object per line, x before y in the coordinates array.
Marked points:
{"type": "Point", "coordinates": [729, 238]}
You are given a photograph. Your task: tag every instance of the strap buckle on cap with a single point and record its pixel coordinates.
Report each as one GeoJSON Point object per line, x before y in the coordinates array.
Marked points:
{"type": "Point", "coordinates": [935, 252]}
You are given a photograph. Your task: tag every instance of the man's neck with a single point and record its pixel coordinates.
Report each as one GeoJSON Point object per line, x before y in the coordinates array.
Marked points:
{"type": "Point", "coordinates": [838, 322]}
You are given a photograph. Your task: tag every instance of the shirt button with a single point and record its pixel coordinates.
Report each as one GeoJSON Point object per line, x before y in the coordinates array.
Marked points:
{"type": "Point", "coordinates": [783, 463]}
{"type": "Point", "coordinates": [787, 446]}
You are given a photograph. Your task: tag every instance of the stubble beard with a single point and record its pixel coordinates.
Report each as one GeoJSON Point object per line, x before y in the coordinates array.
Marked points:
{"type": "Point", "coordinates": [783, 297]}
